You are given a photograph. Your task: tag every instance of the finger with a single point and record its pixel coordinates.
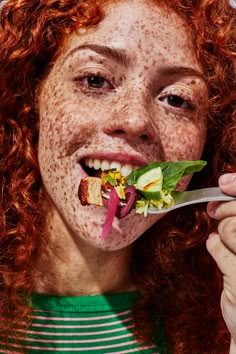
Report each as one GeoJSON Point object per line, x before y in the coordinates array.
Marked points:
{"type": "Point", "coordinates": [221, 210]}
{"type": "Point", "coordinates": [224, 258]}
{"type": "Point", "coordinates": [227, 233]}
{"type": "Point", "coordinates": [228, 306]}
{"type": "Point", "coordinates": [227, 183]}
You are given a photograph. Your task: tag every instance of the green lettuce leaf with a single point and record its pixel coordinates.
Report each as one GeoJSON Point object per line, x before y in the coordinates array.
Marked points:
{"type": "Point", "coordinates": [172, 172]}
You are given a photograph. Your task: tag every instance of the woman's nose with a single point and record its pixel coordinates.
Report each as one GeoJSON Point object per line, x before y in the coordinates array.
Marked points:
{"type": "Point", "coordinates": [132, 121]}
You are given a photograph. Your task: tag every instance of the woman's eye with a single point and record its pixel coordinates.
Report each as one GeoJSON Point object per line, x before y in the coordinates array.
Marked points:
{"type": "Point", "coordinates": [176, 101]}
{"type": "Point", "coordinates": [94, 82]}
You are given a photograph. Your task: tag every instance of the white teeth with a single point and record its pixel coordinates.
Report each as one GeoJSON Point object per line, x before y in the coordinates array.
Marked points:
{"type": "Point", "coordinates": [97, 164]}
{"type": "Point", "coordinates": [126, 170]}
{"type": "Point", "coordinates": [105, 165]}
{"type": "Point", "coordinates": [89, 163]}
{"type": "Point", "coordinates": [116, 165]}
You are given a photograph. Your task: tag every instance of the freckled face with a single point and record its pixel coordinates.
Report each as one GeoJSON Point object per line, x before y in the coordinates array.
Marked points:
{"type": "Point", "coordinates": [129, 90]}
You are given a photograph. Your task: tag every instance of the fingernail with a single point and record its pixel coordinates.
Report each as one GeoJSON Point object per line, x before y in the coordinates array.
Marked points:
{"type": "Point", "coordinates": [227, 178]}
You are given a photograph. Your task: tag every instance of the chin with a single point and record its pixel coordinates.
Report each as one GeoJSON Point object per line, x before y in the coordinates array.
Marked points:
{"type": "Point", "coordinates": [124, 232]}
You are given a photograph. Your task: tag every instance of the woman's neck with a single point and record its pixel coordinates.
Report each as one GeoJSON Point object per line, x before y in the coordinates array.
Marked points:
{"type": "Point", "coordinates": [66, 267]}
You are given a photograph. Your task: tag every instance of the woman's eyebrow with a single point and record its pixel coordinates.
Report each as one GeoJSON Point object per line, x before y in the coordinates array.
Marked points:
{"type": "Point", "coordinates": [177, 70]}
{"type": "Point", "coordinates": [109, 52]}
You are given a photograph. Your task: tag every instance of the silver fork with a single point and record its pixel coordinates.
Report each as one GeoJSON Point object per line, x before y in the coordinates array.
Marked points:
{"type": "Point", "coordinates": [192, 197]}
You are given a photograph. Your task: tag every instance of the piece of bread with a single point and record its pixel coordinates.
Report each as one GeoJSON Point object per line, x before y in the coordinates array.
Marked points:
{"type": "Point", "coordinates": [90, 191]}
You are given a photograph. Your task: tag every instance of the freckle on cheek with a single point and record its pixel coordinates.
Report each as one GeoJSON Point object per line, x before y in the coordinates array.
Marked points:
{"type": "Point", "coordinates": [166, 112]}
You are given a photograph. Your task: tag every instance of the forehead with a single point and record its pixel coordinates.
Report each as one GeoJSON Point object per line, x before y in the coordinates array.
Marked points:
{"type": "Point", "coordinates": [144, 27]}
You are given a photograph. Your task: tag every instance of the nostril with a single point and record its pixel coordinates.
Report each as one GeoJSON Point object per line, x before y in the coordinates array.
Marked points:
{"type": "Point", "coordinates": [119, 132]}
{"type": "Point", "coordinates": [134, 134]}
{"type": "Point", "coordinates": [145, 137]}
{"type": "Point", "coordinates": [131, 127]}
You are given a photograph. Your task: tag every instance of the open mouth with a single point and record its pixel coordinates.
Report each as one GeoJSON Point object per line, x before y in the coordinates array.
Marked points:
{"type": "Point", "coordinates": [94, 167]}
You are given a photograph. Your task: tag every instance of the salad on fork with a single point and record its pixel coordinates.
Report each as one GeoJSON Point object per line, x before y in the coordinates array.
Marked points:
{"type": "Point", "coordinates": [148, 187]}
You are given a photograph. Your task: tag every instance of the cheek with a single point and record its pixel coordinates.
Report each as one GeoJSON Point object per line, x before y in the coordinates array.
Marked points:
{"type": "Point", "coordinates": [52, 114]}
{"type": "Point", "coordinates": [65, 123]}
{"type": "Point", "coordinates": [183, 139]}
{"type": "Point", "coordinates": [183, 183]}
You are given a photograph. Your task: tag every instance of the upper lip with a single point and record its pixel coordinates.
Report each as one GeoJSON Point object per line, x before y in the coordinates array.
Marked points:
{"type": "Point", "coordinates": [121, 156]}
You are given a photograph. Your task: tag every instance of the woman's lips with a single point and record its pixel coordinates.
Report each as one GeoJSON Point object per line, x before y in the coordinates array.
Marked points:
{"type": "Point", "coordinates": [93, 164]}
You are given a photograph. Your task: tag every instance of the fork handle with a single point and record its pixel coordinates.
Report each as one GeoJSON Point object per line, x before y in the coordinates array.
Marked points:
{"type": "Point", "coordinates": [202, 195]}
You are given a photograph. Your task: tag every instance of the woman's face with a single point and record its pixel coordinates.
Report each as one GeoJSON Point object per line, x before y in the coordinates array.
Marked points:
{"type": "Point", "coordinates": [125, 93]}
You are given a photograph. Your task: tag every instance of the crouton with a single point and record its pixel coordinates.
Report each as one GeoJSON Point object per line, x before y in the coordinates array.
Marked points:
{"type": "Point", "coordinates": [90, 191]}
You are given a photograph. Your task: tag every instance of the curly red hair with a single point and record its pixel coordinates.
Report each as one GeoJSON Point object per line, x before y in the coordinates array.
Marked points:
{"type": "Point", "coordinates": [179, 281]}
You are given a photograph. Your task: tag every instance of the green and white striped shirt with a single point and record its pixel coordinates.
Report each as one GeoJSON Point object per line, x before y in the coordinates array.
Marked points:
{"type": "Point", "coordinates": [82, 324]}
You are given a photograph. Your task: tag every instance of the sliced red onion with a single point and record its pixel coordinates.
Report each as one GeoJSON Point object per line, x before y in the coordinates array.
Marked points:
{"type": "Point", "coordinates": [105, 197]}
{"type": "Point", "coordinates": [105, 202]}
{"type": "Point", "coordinates": [111, 212]}
{"type": "Point", "coordinates": [131, 197]}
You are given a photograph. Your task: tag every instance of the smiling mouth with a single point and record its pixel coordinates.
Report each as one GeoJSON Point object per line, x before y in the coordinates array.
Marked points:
{"type": "Point", "coordinates": [94, 167]}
